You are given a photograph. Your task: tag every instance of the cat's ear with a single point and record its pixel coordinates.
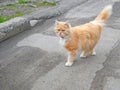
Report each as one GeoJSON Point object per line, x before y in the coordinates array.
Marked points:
{"type": "Point", "coordinates": [67, 23]}
{"type": "Point", "coordinates": [56, 22]}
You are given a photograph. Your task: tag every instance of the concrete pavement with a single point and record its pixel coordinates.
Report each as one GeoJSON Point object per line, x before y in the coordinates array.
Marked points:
{"type": "Point", "coordinates": [34, 60]}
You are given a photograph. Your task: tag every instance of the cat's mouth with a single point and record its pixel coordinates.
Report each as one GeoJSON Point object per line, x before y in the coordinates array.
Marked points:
{"type": "Point", "coordinates": [62, 35]}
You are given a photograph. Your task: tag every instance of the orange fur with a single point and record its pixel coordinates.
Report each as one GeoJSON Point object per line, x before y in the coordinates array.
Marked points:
{"type": "Point", "coordinates": [83, 37]}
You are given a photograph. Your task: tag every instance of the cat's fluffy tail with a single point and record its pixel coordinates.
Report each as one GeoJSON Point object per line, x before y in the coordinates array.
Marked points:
{"type": "Point", "coordinates": [103, 16]}
{"type": "Point", "coordinates": [105, 13]}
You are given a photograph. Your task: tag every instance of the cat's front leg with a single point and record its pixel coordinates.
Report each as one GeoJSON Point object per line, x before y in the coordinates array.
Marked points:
{"type": "Point", "coordinates": [70, 60]}
{"type": "Point", "coordinates": [69, 63]}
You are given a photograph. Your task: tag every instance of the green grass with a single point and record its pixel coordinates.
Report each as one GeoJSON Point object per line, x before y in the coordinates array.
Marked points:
{"type": "Point", "coordinates": [23, 1]}
{"type": "Point", "coordinates": [45, 3]}
{"type": "Point", "coordinates": [42, 3]}
{"type": "Point", "coordinates": [11, 5]}
{"type": "Point", "coordinates": [4, 18]}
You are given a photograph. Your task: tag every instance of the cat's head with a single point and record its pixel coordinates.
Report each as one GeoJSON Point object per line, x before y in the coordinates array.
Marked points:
{"type": "Point", "coordinates": [62, 29]}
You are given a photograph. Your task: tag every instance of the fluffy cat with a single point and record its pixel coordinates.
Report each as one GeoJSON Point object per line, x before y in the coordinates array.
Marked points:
{"type": "Point", "coordinates": [83, 37]}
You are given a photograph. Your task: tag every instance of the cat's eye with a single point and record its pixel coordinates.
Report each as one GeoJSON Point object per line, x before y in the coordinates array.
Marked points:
{"type": "Point", "coordinates": [58, 30]}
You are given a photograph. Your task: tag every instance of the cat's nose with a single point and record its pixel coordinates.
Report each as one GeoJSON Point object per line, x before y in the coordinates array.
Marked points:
{"type": "Point", "coordinates": [60, 33]}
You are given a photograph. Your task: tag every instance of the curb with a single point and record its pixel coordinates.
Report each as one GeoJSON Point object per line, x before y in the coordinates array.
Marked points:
{"type": "Point", "coordinates": [19, 24]}
{"type": "Point", "coordinates": [12, 27]}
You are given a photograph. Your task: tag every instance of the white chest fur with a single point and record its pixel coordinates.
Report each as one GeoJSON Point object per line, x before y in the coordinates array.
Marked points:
{"type": "Point", "coordinates": [62, 41]}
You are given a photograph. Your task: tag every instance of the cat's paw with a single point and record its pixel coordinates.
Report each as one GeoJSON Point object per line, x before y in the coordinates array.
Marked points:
{"type": "Point", "coordinates": [82, 56]}
{"type": "Point", "coordinates": [94, 53]}
{"type": "Point", "coordinates": [68, 64]}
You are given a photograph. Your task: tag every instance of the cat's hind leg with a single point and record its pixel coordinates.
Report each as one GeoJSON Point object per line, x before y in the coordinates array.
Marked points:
{"type": "Point", "coordinates": [83, 54]}
{"type": "Point", "coordinates": [92, 52]}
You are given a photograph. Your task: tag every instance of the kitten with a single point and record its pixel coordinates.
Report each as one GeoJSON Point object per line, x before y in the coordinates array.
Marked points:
{"type": "Point", "coordinates": [83, 37]}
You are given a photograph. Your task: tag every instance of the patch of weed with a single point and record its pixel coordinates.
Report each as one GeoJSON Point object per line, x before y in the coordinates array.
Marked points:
{"type": "Point", "coordinates": [11, 5]}
{"type": "Point", "coordinates": [23, 1]}
{"type": "Point", "coordinates": [45, 3]}
{"type": "Point", "coordinates": [2, 7]}
{"type": "Point", "coordinates": [4, 18]}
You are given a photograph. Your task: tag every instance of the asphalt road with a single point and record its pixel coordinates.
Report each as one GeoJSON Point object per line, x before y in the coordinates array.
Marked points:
{"type": "Point", "coordinates": [33, 60]}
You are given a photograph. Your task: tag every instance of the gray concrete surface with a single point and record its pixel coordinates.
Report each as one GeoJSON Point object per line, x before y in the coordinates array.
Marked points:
{"type": "Point", "coordinates": [33, 60]}
{"type": "Point", "coordinates": [108, 78]}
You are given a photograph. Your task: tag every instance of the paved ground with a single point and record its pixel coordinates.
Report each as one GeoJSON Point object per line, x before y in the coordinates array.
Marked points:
{"type": "Point", "coordinates": [33, 60]}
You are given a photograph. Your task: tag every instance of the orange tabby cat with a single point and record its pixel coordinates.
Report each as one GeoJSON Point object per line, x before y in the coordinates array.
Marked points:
{"type": "Point", "coordinates": [83, 37]}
